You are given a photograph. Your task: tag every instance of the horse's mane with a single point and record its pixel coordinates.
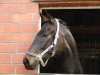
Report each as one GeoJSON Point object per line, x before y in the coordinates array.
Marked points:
{"type": "Point", "coordinates": [64, 23]}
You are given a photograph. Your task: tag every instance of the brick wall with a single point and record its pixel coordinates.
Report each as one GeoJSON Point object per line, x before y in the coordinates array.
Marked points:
{"type": "Point", "coordinates": [67, 3]}
{"type": "Point", "coordinates": [18, 26]}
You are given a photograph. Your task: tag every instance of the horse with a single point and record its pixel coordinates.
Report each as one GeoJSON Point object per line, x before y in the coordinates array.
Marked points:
{"type": "Point", "coordinates": [53, 48]}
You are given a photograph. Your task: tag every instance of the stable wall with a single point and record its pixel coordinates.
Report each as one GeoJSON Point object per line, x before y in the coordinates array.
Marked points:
{"type": "Point", "coordinates": [18, 26]}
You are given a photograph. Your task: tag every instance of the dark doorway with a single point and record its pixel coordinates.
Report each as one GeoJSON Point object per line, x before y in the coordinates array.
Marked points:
{"type": "Point", "coordinates": [85, 27]}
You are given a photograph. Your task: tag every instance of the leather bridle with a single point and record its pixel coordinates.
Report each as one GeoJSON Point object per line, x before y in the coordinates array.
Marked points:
{"type": "Point", "coordinates": [39, 56]}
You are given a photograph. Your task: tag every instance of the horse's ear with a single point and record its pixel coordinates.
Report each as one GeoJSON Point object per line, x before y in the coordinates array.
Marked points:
{"type": "Point", "coordinates": [43, 17]}
{"type": "Point", "coordinates": [48, 15]}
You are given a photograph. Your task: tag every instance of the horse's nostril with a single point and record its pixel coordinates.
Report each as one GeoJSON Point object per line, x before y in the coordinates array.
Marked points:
{"type": "Point", "coordinates": [26, 61]}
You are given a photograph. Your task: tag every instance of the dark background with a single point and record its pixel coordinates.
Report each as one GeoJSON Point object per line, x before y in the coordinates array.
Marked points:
{"type": "Point", "coordinates": [85, 27]}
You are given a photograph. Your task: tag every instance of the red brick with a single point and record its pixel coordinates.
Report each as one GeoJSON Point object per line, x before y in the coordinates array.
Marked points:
{"type": "Point", "coordinates": [18, 58]}
{"type": "Point", "coordinates": [22, 17]}
{"type": "Point", "coordinates": [52, 0]}
{"type": "Point", "coordinates": [43, 4]}
{"type": "Point", "coordinates": [5, 58]}
{"type": "Point", "coordinates": [36, 18]}
{"type": "Point", "coordinates": [6, 18]}
{"type": "Point", "coordinates": [29, 8]}
{"type": "Point", "coordinates": [20, 69]}
{"type": "Point", "coordinates": [27, 28]}
{"type": "Point", "coordinates": [5, 37]}
{"type": "Point", "coordinates": [8, 28]}
{"type": "Point", "coordinates": [36, 28]}
{"type": "Point", "coordinates": [15, 1]}
{"type": "Point", "coordinates": [63, 0]}
{"type": "Point", "coordinates": [6, 1]}
{"type": "Point", "coordinates": [84, 3]}
{"type": "Point", "coordinates": [23, 47]}
{"type": "Point", "coordinates": [73, 4]}
{"type": "Point", "coordinates": [54, 4]}
{"type": "Point", "coordinates": [94, 3]}
{"type": "Point", "coordinates": [36, 8]}
{"type": "Point", "coordinates": [6, 8]}
{"type": "Point", "coordinates": [7, 69]}
{"type": "Point", "coordinates": [42, 0]}
{"type": "Point", "coordinates": [16, 37]}
{"type": "Point", "coordinates": [24, 1]}
{"type": "Point", "coordinates": [22, 37]}
{"type": "Point", "coordinates": [64, 4]}
{"type": "Point", "coordinates": [8, 47]}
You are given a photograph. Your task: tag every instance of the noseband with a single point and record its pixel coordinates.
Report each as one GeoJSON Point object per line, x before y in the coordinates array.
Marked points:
{"type": "Point", "coordinates": [39, 56]}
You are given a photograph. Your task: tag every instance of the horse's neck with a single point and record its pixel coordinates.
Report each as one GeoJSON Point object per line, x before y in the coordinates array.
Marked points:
{"type": "Point", "coordinates": [69, 39]}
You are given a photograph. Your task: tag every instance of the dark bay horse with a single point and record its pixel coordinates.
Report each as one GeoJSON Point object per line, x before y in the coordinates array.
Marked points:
{"type": "Point", "coordinates": [53, 48]}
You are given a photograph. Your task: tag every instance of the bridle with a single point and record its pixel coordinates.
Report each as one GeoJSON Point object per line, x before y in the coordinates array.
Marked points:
{"type": "Point", "coordinates": [39, 56]}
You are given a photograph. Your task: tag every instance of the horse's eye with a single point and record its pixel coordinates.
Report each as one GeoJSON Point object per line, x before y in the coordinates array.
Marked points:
{"type": "Point", "coordinates": [46, 32]}
{"type": "Point", "coordinates": [44, 35]}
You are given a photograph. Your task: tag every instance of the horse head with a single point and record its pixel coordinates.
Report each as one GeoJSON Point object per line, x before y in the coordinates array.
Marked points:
{"type": "Point", "coordinates": [44, 44]}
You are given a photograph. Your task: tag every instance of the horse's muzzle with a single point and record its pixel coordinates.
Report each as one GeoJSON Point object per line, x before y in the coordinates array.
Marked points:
{"type": "Point", "coordinates": [30, 64]}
